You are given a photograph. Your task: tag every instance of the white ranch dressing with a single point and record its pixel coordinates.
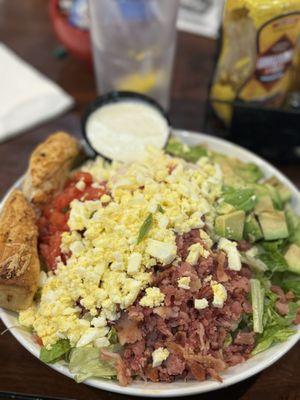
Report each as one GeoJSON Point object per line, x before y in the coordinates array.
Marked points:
{"type": "Point", "coordinates": [122, 131]}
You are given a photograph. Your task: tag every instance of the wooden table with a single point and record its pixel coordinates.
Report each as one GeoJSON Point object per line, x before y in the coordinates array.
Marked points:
{"type": "Point", "coordinates": [24, 26]}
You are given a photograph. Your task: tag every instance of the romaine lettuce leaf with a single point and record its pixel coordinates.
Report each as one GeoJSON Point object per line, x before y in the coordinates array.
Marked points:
{"type": "Point", "coordinates": [274, 260]}
{"type": "Point", "coordinates": [56, 353]}
{"type": "Point", "coordinates": [276, 328]}
{"type": "Point", "coordinates": [190, 154]}
{"type": "Point", "coordinates": [275, 245]}
{"type": "Point", "coordinates": [288, 281]}
{"type": "Point", "coordinates": [271, 336]}
{"type": "Point", "coordinates": [257, 300]}
{"type": "Point", "coordinates": [85, 363]}
{"type": "Point", "coordinates": [112, 336]}
{"type": "Point", "coordinates": [241, 199]}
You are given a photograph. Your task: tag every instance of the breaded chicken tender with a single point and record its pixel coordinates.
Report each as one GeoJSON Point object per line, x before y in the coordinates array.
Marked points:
{"type": "Point", "coordinates": [19, 261]}
{"type": "Point", "coordinates": [49, 166]}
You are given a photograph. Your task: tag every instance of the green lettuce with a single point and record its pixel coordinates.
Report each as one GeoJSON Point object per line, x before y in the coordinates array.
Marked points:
{"type": "Point", "coordinates": [274, 260]}
{"type": "Point", "coordinates": [276, 328]}
{"type": "Point", "coordinates": [241, 199]}
{"type": "Point", "coordinates": [288, 281]}
{"type": "Point", "coordinates": [85, 363]}
{"type": "Point", "coordinates": [190, 154]}
{"type": "Point", "coordinates": [112, 336]}
{"type": "Point", "coordinates": [272, 336]}
{"type": "Point", "coordinates": [249, 172]}
{"type": "Point", "coordinates": [257, 299]}
{"type": "Point", "coordinates": [56, 353]}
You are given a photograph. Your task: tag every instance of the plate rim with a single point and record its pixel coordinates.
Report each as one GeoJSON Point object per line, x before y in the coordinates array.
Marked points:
{"type": "Point", "coordinates": [197, 387]}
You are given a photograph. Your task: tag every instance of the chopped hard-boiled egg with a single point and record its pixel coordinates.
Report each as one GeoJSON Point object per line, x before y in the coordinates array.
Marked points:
{"type": "Point", "coordinates": [164, 252]}
{"type": "Point", "coordinates": [134, 263]}
{"type": "Point", "coordinates": [159, 356]}
{"type": "Point", "coordinates": [184, 282]}
{"type": "Point", "coordinates": [220, 294]}
{"type": "Point", "coordinates": [205, 238]}
{"type": "Point", "coordinates": [153, 298]}
{"type": "Point", "coordinates": [200, 304]}
{"type": "Point", "coordinates": [195, 251]}
{"type": "Point", "coordinates": [234, 258]}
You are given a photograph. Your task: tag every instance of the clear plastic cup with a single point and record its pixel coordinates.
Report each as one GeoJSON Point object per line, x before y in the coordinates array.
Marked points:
{"type": "Point", "coordinates": [134, 43]}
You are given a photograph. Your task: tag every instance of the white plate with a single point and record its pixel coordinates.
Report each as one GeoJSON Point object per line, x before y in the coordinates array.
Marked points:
{"type": "Point", "coordinates": [230, 376]}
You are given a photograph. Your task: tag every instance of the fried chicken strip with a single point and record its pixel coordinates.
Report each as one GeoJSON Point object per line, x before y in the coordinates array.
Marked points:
{"type": "Point", "coordinates": [49, 166]}
{"type": "Point", "coordinates": [19, 261]}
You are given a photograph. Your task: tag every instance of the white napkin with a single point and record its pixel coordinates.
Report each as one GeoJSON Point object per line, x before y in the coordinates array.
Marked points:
{"type": "Point", "coordinates": [27, 98]}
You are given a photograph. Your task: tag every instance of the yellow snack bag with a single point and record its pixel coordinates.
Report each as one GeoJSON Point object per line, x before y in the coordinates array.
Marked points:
{"type": "Point", "coordinates": [259, 51]}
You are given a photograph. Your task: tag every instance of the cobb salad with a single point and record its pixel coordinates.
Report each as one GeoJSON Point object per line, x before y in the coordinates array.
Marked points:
{"type": "Point", "coordinates": [174, 267]}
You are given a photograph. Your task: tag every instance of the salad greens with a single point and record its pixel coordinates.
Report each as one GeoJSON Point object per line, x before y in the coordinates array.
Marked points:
{"type": "Point", "coordinates": [277, 328]}
{"type": "Point", "coordinates": [241, 199]}
{"type": "Point", "coordinates": [273, 261]}
{"type": "Point", "coordinates": [257, 299]}
{"type": "Point", "coordinates": [56, 353]}
{"type": "Point", "coordinates": [85, 363]}
{"type": "Point", "coordinates": [191, 154]}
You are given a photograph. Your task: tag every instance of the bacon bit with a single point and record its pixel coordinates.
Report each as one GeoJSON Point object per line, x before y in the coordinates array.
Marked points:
{"type": "Point", "coordinates": [214, 374]}
{"type": "Point", "coordinates": [280, 293]}
{"type": "Point", "coordinates": [244, 246]}
{"type": "Point", "coordinates": [197, 371]}
{"type": "Point", "coordinates": [152, 374]}
{"type": "Point", "coordinates": [123, 374]}
{"type": "Point", "coordinates": [127, 330]}
{"type": "Point", "coordinates": [246, 338]}
{"type": "Point", "coordinates": [221, 262]}
{"type": "Point", "coordinates": [282, 308]}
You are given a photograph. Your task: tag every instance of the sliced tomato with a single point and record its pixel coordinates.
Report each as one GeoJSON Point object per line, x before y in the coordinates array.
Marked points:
{"type": "Point", "coordinates": [86, 177]}
{"type": "Point", "coordinates": [91, 193]}
{"type": "Point", "coordinates": [51, 251]}
{"type": "Point", "coordinates": [59, 221]}
{"type": "Point", "coordinates": [54, 219]}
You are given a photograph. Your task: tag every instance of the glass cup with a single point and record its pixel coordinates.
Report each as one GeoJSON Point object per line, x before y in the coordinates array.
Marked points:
{"type": "Point", "coordinates": [134, 43]}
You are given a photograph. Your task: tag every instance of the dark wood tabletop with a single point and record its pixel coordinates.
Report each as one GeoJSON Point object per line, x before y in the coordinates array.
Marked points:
{"type": "Point", "coordinates": [25, 27]}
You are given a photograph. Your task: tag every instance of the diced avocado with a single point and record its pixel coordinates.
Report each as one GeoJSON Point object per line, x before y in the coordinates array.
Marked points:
{"type": "Point", "coordinates": [292, 257]}
{"type": "Point", "coordinates": [293, 222]}
{"type": "Point", "coordinates": [231, 226]}
{"type": "Point", "coordinates": [284, 193]}
{"type": "Point", "coordinates": [292, 219]}
{"type": "Point", "coordinates": [236, 173]}
{"type": "Point", "coordinates": [295, 237]}
{"type": "Point", "coordinates": [229, 176]}
{"type": "Point", "coordinates": [252, 230]}
{"type": "Point", "coordinates": [273, 225]}
{"type": "Point", "coordinates": [248, 171]}
{"type": "Point", "coordinates": [268, 190]}
{"type": "Point", "coordinates": [225, 208]}
{"type": "Point", "coordinates": [264, 203]}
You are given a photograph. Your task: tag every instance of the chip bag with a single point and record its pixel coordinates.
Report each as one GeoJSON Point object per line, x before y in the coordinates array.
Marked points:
{"type": "Point", "coordinates": [259, 50]}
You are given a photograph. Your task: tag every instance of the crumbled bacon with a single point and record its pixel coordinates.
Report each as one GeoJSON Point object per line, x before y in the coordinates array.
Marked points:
{"type": "Point", "coordinates": [195, 338]}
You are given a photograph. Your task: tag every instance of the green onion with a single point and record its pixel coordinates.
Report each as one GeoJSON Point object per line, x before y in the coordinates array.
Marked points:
{"type": "Point", "coordinates": [145, 228]}
{"type": "Point", "coordinates": [160, 209]}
